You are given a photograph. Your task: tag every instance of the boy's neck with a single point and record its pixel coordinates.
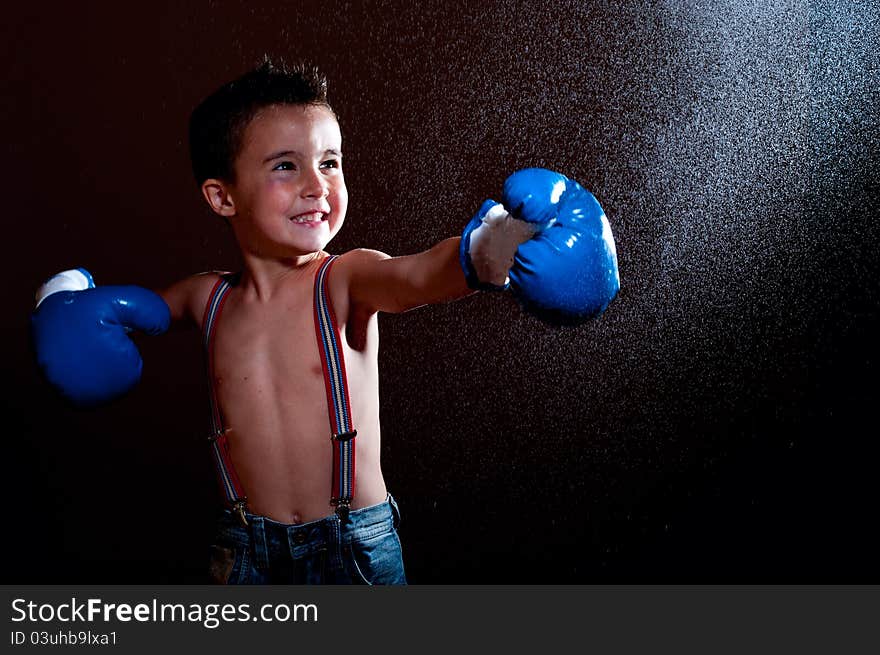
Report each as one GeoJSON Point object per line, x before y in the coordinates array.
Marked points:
{"type": "Point", "coordinates": [262, 278]}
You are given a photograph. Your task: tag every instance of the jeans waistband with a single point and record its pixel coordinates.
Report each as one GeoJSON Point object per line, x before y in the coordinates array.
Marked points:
{"type": "Point", "coordinates": [303, 538]}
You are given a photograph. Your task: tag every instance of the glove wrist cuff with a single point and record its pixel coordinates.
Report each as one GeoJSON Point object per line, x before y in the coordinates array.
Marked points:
{"type": "Point", "coordinates": [76, 279]}
{"type": "Point", "coordinates": [464, 253]}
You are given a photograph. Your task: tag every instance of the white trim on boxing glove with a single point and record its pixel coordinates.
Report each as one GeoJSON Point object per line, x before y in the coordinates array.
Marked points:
{"type": "Point", "coordinates": [75, 279]}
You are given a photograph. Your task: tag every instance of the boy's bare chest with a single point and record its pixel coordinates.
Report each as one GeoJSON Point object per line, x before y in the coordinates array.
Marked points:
{"type": "Point", "coordinates": [256, 340]}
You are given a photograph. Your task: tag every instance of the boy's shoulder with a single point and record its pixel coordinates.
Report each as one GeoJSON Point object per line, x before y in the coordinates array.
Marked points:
{"type": "Point", "coordinates": [188, 297]}
{"type": "Point", "coordinates": [200, 285]}
{"type": "Point", "coordinates": [354, 265]}
{"type": "Point", "coordinates": [358, 258]}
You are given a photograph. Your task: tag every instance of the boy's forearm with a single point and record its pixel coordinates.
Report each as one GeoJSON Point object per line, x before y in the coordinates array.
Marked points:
{"type": "Point", "coordinates": [444, 279]}
{"type": "Point", "coordinates": [381, 283]}
{"type": "Point", "coordinates": [430, 277]}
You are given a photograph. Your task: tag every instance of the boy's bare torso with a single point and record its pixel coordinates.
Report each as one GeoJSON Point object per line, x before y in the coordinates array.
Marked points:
{"type": "Point", "coordinates": [270, 388]}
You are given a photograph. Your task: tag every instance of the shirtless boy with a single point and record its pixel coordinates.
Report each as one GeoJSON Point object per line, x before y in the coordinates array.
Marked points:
{"type": "Point", "coordinates": [292, 340]}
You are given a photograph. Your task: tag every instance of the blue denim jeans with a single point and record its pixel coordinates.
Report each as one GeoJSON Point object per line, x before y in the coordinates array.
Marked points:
{"type": "Point", "coordinates": [363, 549]}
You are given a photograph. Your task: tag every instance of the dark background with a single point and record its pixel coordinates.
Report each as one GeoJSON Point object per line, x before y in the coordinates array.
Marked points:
{"type": "Point", "coordinates": [715, 425]}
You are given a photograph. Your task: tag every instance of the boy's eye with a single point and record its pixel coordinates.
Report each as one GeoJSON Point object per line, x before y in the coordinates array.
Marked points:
{"type": "Point", "coordinates": [284, 166]}
{"type": "Point", "coordinates": [330, 163]}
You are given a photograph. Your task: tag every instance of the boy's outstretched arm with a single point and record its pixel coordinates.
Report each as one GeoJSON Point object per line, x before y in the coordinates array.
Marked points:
{"type": "Point", "coordinates": [380, 283]}
{"type": "Point", "coordinates": [548, 240]}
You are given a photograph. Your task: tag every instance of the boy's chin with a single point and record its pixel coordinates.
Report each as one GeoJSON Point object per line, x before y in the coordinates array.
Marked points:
{"type": "Point", "coordinates": [308, 248]}
{"type": "Point", "coordinates": [313, 240]}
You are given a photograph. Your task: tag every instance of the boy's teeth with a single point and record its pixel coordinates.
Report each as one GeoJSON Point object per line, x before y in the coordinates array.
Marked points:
{"type": "Point", "coordinates": [307, 218]}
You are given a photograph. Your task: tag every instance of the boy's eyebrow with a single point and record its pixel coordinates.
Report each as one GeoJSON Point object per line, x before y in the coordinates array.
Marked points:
{"type": "Point", "coordinates": [286, 153]}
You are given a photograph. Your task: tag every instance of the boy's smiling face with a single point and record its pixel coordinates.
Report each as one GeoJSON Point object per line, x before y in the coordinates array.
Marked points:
{"type": "Point", "coordinates": [289, 196]}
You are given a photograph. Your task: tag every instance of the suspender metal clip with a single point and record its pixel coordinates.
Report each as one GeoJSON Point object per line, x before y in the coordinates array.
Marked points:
{"type": "Point", "coordinates": [216, 435]}
{"type": "Point", "coordinates": [238, 507]}
{"type": "Point", "coordinates": [344, 436]}
{"type": "Point", "coordinates": [343, 507]}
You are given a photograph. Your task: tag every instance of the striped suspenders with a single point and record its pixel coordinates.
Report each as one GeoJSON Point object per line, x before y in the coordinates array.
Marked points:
{"type": "Point", "coordinates": [338, 403]}
{"type": "Point", "coordinates": [342, 433]}
{"type": "Point", "coordinates": [219, 443]}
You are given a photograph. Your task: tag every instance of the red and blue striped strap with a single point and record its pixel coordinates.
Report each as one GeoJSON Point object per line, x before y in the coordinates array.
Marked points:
{"type": "Point", "coordinates": [226, 474]}
{"type": "Point", "coordinates": [338, 403]}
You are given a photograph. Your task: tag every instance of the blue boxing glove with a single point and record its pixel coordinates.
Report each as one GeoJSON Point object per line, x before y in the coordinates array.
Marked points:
{"type": "Point", "coordinates": [80, 335]}
{"type": "Point", "coordinates": [549, 242]}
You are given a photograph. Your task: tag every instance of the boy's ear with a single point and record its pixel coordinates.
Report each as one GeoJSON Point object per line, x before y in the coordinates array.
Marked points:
{"type": "Point", "coordinates": [217, 194]}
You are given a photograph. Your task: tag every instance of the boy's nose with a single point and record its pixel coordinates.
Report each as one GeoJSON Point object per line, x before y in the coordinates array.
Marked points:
{"type": "Point", "coordinates": [315, 186]}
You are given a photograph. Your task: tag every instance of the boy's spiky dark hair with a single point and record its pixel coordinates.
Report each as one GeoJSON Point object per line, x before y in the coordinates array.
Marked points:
{"type": "Point", "coordinates": [217, 124]}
